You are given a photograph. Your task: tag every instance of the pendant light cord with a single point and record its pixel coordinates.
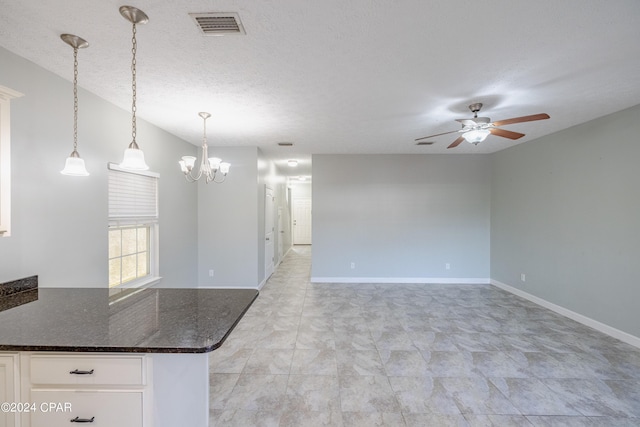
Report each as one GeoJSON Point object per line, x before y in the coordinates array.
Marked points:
{"type": "Point", "coordinates": [75, 99]}
{"type": "Point", "coordinates": [133, 84]}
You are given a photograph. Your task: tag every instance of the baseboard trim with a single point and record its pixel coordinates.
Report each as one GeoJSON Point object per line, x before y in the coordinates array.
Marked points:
{"type": "Point", "coordinates": [606, 329]}
{"type": "Point", "coordinates": [426, 280]}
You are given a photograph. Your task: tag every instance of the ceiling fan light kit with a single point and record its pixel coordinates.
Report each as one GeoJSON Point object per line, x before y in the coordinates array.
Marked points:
{"type": "Point", "coordinates": [476, 135]}
{"type": "Point", "coordinates": [477, 129]}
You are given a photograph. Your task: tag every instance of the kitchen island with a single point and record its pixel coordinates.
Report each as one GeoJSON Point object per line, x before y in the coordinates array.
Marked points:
{"type": "Point", "coordinates": [132, 357]}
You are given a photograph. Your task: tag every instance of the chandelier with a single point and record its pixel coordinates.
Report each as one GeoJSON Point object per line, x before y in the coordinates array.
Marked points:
{"type": "Point", "coordinates": [210, 167]}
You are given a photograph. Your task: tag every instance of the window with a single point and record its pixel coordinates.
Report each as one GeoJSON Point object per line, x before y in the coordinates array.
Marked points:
{"type": "Point", "coordinates": [128, 254]}
{"type": "Point", "coordinates": [133, 227]}
{"type": "Point", "coordinates": [6, 95]}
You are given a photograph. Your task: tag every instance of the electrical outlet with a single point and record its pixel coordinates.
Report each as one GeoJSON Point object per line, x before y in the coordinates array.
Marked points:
{"type": "Point", "coordinates": [523, 278]}
{"type": "Point", "coordinates": [211, 273]}
{"type": "Point", "coordinates": [447, 266]}
{"type": "Point", "coordinates": [353, 265]}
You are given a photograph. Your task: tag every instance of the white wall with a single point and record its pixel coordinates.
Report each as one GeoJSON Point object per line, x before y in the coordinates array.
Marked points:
{"type": "Point", "coordinates": [401, 217]}
{"type": "Point", "coordinates": [565, 211]}
{"type": "Point", "coordinates": [59, 223]}
{"type": "Point", "coordinates": [301, 190]}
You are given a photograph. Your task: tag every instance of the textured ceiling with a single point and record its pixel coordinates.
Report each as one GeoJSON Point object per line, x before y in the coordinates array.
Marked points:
{"type": "Point", "coordinates": [358, 76]}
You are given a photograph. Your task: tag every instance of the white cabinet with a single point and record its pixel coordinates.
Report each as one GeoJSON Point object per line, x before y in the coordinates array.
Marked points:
{"type": "Point", "coordinates": [8, 387]}
{"type": "Point", "coordinates": [101, 389]}
{"type": "Point", "coordinates": [112, 389]}
{"type": "Point", "coordinates": [100, 408]}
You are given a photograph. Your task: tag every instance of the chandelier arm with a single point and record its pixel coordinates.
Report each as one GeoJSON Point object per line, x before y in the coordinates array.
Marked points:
{"type": "Point", "coordinates": [195, 178]}
{"type": "Point", "coordinates": [221, 181]}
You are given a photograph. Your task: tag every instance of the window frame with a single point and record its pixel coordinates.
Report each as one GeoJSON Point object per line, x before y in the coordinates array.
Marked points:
{"type": "Point", "coordinates": [6, 95]}
{"type": "Point", "coordinates": [153, 239]}
{"type": "Point", "coordinates": [152, 254]}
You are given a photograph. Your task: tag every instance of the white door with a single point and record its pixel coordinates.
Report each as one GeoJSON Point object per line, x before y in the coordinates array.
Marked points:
{"type": "Point", "coordinates": [301, 221]}
{"type": "Point", "coordinates": [269, 233]}
{"type": "Point", "coordinates": [280, 234]}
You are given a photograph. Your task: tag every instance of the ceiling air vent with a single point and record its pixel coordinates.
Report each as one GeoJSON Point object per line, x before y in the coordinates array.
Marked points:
{"type": "Point", "coordinates": [285, 144]}
{"type": "Point", "coordinates": [425, 143]}
{"type": "Point", "coordinates": [218, 23]}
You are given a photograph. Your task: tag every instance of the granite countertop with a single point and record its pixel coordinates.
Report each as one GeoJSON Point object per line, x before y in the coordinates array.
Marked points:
{"type": "Point", "coordinates": [163, 320]}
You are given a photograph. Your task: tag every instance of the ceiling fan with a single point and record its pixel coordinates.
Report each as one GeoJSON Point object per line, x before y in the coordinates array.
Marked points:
{"type": "Point", "coordinates": [477, 129]}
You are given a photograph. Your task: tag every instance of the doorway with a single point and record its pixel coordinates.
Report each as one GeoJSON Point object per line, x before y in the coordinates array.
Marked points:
{"type": "Point", "coordinates": [269, 233]}
{"type": "Point", "coordinates": [301, 219]}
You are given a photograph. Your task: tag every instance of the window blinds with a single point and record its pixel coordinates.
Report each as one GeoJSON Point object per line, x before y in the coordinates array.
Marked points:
{"type": "Point", "coordinates": [132, 195]}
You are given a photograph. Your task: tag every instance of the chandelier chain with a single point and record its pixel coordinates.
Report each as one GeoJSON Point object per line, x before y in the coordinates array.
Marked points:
{"type": "Point", "coordinates": [133, 83]}
{"type": "Point", "coordinates": [75, 98]}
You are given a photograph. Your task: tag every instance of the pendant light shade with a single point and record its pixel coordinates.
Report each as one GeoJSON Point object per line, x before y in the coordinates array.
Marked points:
{"type": "Point", "coordinates": [74, 166]}
{"type": "Point", "coordinates": [133, 155]}
{"type": "Point", "coordinates": [134, 159]}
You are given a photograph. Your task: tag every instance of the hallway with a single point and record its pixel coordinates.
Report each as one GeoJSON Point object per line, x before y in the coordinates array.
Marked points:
{"type": "Point", "coordinates": [415, 355]}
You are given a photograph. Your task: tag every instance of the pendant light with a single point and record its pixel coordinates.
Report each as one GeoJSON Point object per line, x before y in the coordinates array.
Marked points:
{"type": "Point", "coordinates": [133, 155]}
{"type": "Point", "coordinates": [74, 166]}
{"type": "Point", "coordinates": [209, 166]}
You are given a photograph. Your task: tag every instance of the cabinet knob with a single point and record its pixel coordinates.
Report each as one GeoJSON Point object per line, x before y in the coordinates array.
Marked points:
{"type": "Point", "coordinates": [82, 420]}
{"type": "Point", "coordinates": [77, 372]}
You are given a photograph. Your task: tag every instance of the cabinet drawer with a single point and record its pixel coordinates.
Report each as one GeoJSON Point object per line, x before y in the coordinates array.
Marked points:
{"type": "Point", "coordinates": [87, 370]}
{"type": "Point", "coordinates": [107, 408]}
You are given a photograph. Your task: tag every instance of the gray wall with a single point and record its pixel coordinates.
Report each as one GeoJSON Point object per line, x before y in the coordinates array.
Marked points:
{"type": "Point", "coordinates": [231, 220]}
{"type": "Point", "coordinates": [59, 223]}
{"type": "Point", "coordinates": [228, 223]}
{"type": "Point", "coordinates": [401, 216]}
{"type": "Point", "coordinates": [565, 211]}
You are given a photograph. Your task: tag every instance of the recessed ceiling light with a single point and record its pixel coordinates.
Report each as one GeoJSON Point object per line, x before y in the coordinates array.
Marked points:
{"type": "Point", "coordinates": [292, 163]}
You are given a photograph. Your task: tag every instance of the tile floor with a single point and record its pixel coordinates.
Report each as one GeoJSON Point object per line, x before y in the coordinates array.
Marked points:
{"type": "Point", "coordinates": [415, 355]}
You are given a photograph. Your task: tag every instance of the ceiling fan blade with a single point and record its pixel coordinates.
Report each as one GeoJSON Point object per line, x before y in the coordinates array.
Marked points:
{"type": "Point", "coordinates": [531, 118]}
{"type": "Point", "coordinates": [457, 142]}
{"type": "Point", "coordinates": [438, 134]}
{"type": "Point", "coordinates": [506, 133]}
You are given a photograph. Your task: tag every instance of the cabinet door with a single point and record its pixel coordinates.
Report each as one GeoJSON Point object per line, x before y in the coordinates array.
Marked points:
{"type": "Point", "coordinates": [8, 388]}
{"type": "Point", "coordinates": [105, 408]}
